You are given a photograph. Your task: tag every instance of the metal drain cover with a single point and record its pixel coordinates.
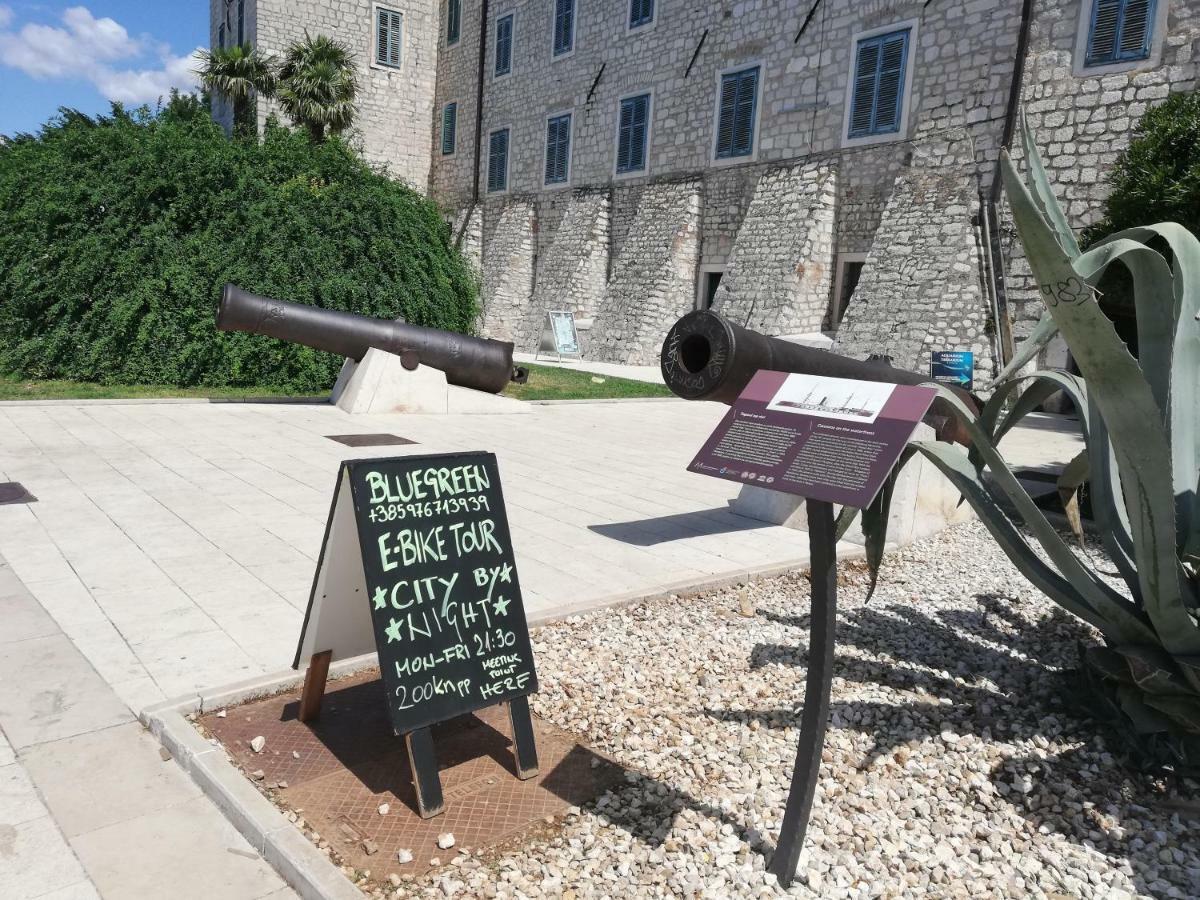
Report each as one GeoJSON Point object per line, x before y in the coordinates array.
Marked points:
{"type": "Point", "coordinates": [14, 492]}
{"type": "Point", "coordinates": [369, 440]}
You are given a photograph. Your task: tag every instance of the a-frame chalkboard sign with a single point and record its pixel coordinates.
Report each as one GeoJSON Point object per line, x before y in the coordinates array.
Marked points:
{"type": "Point", "coordinates": [417, 562]}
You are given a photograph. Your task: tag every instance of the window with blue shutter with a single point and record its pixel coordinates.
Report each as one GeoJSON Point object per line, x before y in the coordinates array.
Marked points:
{"type": "Point", "coordinates": [633, 129]}
{"type": "Point", "coordinates": [388, 33]}
{"type": "Point", "coordinates": [558, 149]}
{"type": "Point", "coordinates": [504, 40]}
{"type": "Point", "coordinates": [564, 26]}
{"type": "Point", "coordinates": [453, 21]}
{"type": "Point", "coordinates": [641, 12]}
{"type": "Point", "coordinates": [735, 119]}
{"type": "Point", "coordinates": [1121, 31]}
{"type": "Point", "coordinates": [877, 94]}
{"type": "Point", "coordinates": [449, 128]}
{"type": "Point", "coordinates": [497, 179]}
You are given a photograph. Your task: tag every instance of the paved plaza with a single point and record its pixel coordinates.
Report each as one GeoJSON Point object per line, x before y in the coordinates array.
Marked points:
{"type": "Point", "coordinates": [171, 549]}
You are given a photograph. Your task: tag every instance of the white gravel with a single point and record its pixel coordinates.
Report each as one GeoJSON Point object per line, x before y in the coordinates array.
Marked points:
{"type": "Point", "coordinates": [956, 763]}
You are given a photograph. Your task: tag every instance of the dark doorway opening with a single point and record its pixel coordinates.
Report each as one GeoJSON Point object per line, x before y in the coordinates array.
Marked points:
{"type": "Point", "coordinates": [851, 271]}
{"type": "Point", "coordinates": [709, 283]}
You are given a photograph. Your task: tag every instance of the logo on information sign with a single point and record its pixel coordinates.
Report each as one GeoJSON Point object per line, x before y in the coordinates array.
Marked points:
{"type": "Point", "coordinates": [956, 367]}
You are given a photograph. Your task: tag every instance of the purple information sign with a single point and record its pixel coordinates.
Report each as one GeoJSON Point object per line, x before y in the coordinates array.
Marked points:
{"type": "Point", "coordinates": [830, 439]}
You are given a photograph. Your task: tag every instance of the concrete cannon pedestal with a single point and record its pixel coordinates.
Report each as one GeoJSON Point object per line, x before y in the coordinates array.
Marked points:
{"type": "Point", "coordinates": [379, 383]}
{"type": "Point", "coordinates": [923, 503]}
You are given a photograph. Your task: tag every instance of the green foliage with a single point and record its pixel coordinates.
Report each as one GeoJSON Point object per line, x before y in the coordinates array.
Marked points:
{"type": "Point", "coordinates": [1157, 179]}
{"type": "Point", "coordinates": [1141, 425]}
{"type": "Point", "coordinates": [238, 74]}
{"type": "Point", "coordinates": [117, 234]}
{"type": "Point", "coordinates": [317, 85]}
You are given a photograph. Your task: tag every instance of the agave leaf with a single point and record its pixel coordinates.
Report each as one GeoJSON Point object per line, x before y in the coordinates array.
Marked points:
{"type": "Point", "coordinates": [1123, 622]}
{"type": "Point", "coordinates": [1108, 663]}
{"type": "Point", "coordinates": [1116, 617]}
{"type": "Point", "coordinates": [1184, 711]}
{"type": "Point", "coordinates": [1108, 503]}
{"type": "Point", "coordinates": [875, 520]}
{"type": "Point", "coordinates": [1070, 480]}
{"type": "Point", "coordinates": [997, 419]}
{"type": "Point", "coordinates": [1144, 719]}
{"type": "Point", "coordinates": [1130, 412]}
{"type": "Point", "coordinates": [1153, 670]}
{"type": "Point", "coordinates": [1154, 299]}
{"type": "Point", "coordinates": [1045, 329]}
{"type": "Point", "coordinates": [845, 519]}
{"type": "Point", "coordinates": [1043, 194]}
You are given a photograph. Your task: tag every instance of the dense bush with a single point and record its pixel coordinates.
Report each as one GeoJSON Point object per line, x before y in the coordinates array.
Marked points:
{"type": "Point", "coordinates": [1157, 178]}
{"type": "Point", "coordinates": [117, 233]}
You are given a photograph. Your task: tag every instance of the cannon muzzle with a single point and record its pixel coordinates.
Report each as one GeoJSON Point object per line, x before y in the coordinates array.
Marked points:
{"type": "Point", "coordinates": [472, 362]}
{"type": "Point", "coordinates": [707, 357]}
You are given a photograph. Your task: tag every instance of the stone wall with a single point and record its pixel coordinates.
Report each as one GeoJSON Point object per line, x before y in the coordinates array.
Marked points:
{"type": "Point", "coordinates": [573, 268]}
{"type": "Point", "coordinates": [653, 278]}
{"type": "Point", "coordinates": [508, 270]}
{"type": "Point", "coordinates": [779, 275]}
{"type": "Point", "coordinates": [395, 106]}
{"type": "Point", "coordinates": [921, 287]}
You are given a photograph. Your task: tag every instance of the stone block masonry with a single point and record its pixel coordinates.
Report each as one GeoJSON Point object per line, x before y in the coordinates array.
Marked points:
{"type": "Point", "coordinates": [921, 288]}
{"type": "Point", "coordinates": [653, 279]}
{"type": "Point", "coordinates": [508, 265]}
{"type": "Point", "coordinates": [779, 275]}
{"type": "Point", "coordinates": [573, 269]}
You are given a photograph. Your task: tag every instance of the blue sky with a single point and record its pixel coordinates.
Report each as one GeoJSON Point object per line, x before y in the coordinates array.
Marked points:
{"type": "Point", "coordinates": [85, 54]}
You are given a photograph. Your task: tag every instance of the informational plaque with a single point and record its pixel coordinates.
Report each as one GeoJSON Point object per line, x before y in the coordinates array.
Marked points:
{"type": "Point", "coordinates": [956, 367]}
{"type": "Point", "coordinates": [418, 562]}
{"type": "Point", "coordinates": [559, 334]}
{"type": "Point", "coordinates": [829, 439]}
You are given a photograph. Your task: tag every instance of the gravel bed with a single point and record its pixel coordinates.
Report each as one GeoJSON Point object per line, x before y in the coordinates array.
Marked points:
{"type": "Point", "coordinates": [956, 762]}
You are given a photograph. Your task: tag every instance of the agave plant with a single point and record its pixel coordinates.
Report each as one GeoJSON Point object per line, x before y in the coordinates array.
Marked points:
{"type": "Point", "coordinates": [1139, 419]}
{"type": "Point", "coordinates": [238, 74]}
{"type": "Point", "coordinates": [318, 85]}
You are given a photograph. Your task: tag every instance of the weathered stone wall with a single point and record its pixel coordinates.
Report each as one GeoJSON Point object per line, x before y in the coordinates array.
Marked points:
{"type": "Point", "coordinates": [395, 106]}
{"type": "Point", "coordinates": [779, 274]}
{"type": "Point", "coordinates": [573, 267]}
{"type": "Point", "coordinates": [508, 270]}
{"type": "Point", "coordinates": [1082, 118]}
{"type": "Point", "coordinates": [921, 288]}
{"type": "Point", "coordinates": [653, 278]}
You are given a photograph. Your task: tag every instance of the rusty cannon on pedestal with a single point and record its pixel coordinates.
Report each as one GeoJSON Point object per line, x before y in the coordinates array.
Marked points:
{"type": "Point", "coordinates": [707, 357]}
{"type": "Point", "coordinates": [471, 362]}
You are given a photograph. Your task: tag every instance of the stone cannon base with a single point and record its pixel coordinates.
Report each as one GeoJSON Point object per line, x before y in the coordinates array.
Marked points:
{"type": "Point", "coordinates": [379, 383]}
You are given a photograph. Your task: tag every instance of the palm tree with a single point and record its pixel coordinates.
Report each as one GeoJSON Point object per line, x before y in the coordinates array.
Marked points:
{"type": "Point", "coordinates": [317, 85]}
{"type": "Point", "coordinates": [238, 74]}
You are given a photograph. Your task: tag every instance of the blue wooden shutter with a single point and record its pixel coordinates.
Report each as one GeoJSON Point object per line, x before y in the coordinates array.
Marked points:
{"type": "Point", "coordinates": [631, 141]}
{"type": "Point", "coordinates": [735, 119]}
{"type": "Point", "coordinates": [1102, 39]}
{"type": "Point", "coordinates": [558, 149]}
{"type": "Point", "coordinates": [388, 26]}
{"type": "Point", "coordinates": [449, 128]}
{"type": "Point", "coordinates": [453, 20]}
{"type": "Point", "coordinates": [877, 97]}
{"type": "Point", "coordinates": [641, 12]}
{"type": "Point", "coordinates": [504, 36]}
{"type": "Point", "coordinates": [1137, 28]}
{"type": "Point", "coordinates": [498, 161]}
{"type": "Point", "coordinates": [564, 26]}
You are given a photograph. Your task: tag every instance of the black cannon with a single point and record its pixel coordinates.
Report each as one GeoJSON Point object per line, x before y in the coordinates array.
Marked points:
{"type": "Point", "coordinates": [471, 362]}
{"type": "Point", "coordinates": [707, 357]}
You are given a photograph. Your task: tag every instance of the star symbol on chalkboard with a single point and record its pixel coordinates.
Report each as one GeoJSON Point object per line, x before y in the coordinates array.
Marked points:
{"type": "Point", "coordinates": [506, 573]}
{"type": "Point", "coordinates": [393, 630]}
{"type": "Point", "coordinates": [380, 598]}
{"type": "Point", "coordinates": [500, 606]}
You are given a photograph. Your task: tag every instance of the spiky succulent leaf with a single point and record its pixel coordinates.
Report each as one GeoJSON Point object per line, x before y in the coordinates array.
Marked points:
{"type": "Point", "coordinates": [1030, 347]}
{"type": "Point", "coordinates": [1183, 711]}
{"type": "Point", "coordinates": [1153, 671]}
{"type": "Point", "coordinates": [1145, 720]}
{"type": "Point", "coordinates": [875, 520]}
{"type": "Point", "coordinates": [1043, 195]}
{"type": "Point", "coordinates": [1108, 663]}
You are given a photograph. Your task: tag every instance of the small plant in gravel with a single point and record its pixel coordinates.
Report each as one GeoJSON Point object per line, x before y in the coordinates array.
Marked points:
{"type": "Point", "coordinates": [1140, 424]}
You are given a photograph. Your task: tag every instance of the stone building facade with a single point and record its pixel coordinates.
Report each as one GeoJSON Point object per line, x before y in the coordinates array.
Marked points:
{"type": "Point", "coordinates": [814, 211]}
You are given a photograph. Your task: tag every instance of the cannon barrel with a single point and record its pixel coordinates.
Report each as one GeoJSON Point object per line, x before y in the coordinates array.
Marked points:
{"type": "Point", "coordinates": [707, 357]}
{"type": "Point", "coordinates": [471, 362]}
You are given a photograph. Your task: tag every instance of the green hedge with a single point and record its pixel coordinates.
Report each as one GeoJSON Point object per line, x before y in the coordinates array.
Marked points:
{"type": "Point", "coordinates": [117, 234]}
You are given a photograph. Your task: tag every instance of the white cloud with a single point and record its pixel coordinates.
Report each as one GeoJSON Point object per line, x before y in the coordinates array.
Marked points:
{"type": "Point", "coordinates": [87, 48]}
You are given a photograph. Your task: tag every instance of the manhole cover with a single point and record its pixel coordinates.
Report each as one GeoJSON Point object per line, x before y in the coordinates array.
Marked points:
{"type": "Point", "coordinates": [368, 440]}
{"type": "Point", "coordinates": [14, 492]}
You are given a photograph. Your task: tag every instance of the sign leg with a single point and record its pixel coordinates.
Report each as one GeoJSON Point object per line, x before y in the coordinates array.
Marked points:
{"type": "Point", "coordinates": [314, 685]}
{"type": "Point", "coordinates": [522, 733]}
{"type": "Point", "coordinates": [818, 684]}
{"type": "Point", "coordinates": [422, 760]}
